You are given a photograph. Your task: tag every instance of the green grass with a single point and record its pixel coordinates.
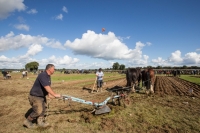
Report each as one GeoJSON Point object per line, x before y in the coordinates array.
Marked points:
{"type": "Point", "coordinates": [71, 77]}
{"type": "Point", "coordinates": [57, 76]}
{"type": "Point", "coordinates": [195, 80]}
{"type": "Point", "coordinates": [145, 114]}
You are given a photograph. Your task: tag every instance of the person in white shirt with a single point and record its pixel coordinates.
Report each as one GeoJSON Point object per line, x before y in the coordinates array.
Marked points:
{"type": "Point", "coordinates": [99, 75]}
{"type": "Point", "coordinates": [23, 74]}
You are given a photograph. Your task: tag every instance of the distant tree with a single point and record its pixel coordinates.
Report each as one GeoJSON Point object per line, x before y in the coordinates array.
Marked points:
{"type": "Point", "coordinates": [149, 66]}
{"type": "Point", "coordinates": [184, 67]}
{"type": "Point", "coordinates": [194, 67]}
{"type": "Point", "coordinates": [159, 67]}
{"type": "Point", "coordinates": [32, 66]}
{"type": "Point", "coordinates": [115, 66]}
{"type": "Point", "coordinates": [122, 67]}
{"type": "Point", "coordinates": [167, 67]}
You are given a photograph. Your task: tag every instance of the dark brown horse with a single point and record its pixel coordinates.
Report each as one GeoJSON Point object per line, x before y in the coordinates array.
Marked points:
{"type": "Point", "coordinates": [148, 79]}
{"type": "Point", "coordinates": [133, 77]}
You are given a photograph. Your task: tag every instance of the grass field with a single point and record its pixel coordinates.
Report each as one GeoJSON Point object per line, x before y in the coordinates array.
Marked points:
{"type": "Point", "coordinates": [194, 79]}
{"type": "Point", "coordinates": [151, 114]}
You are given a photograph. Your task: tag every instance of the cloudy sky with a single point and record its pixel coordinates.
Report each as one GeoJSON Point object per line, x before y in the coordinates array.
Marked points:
{"type": "Point", "coordinates": [69, 33]}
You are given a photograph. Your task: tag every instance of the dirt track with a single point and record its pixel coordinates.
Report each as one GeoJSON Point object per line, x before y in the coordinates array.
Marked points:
{"type": "Point", "coordinates": [171, 109]}
{"type": "Point", "coordinates": [175, 86]}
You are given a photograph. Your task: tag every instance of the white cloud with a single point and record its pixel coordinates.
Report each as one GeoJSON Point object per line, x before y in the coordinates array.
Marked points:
{"type": "Point", "coordinates": [21, 19]}
{"type": "Point", "coordinates": [3, 58]}
{"type": "Point", "coordinates": [8, 6]}
{"type": "Point", "coordinates": [66, 60]}
{"type": "Point", "coordinates": [159, 62]}
{"type": "Point", "coordinates": [107, 47]}
{"type": "Point", "coordinates": [60, 17]}
{"type": "Point", "coordinates": [12, 41]}
{"type": "Point", "coordinates": [191, 59]}
{"type": "Point", "coordinates": [59, 62]}
{"type": "Point", "coordinates": [22, 27]}
{"type": "Point", "coordinates": [32, 50]}
{"type": "Point", "coordinates": [32, 11]}
{"type": "Point", "coordinates": [123, 38]}
{"type": "Point", "coordinates": [21, 61]}
{"type": "Point", "coordinates": [176, 57]}
{"type": "Point", "coordinates": [64, 9]}
{"type": "Point", "coordinates": [138, 62]}
{"type": "Point", "coordinates": [149, 44]}
{"type": "Point", "coordinates": [198, 49]}
{"type": "Point", "coordinates": [92, 65]}
{"type": "Point", "coordinates": [35, 46]}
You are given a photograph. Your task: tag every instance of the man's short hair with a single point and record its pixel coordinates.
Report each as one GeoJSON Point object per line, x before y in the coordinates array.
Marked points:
{"type": "Point", "coordinates": [49, 66]}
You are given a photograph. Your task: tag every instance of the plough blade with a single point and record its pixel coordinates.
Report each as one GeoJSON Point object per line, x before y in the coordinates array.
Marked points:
{"type": "Point", "coordinates": [103, 109]}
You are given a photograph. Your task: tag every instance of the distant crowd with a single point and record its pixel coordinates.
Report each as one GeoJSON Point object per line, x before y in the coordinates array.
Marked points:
{"type": "Point", "coordinates": [183, 72]}
{"type": "Point", "coordinates": [6, 74]}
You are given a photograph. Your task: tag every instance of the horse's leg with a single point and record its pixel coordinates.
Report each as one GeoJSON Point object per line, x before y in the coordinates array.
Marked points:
{"type": "Point", "coordinates": [133, 87]}
{"type": "Point", "coordinates": [143, 85]}
{"type": "Point", "coordinates": [152, 83]}
{"type": "Point", "coordinates": [151, 89]}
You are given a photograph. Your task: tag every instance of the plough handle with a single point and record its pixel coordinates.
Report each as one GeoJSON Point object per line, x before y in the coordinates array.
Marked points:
{"type": "Point", "coordinates": [66, 97]}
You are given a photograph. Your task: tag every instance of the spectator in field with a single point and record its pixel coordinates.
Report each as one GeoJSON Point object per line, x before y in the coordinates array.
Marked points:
{"type": "Point", "coordinates": [23, 74]}
{"type": "Point", "coordinates": [4, 74]}
{"type": "Point", "coordinates": [99, 75]}
{"type": "Point", "coordinates": [8, 76]}
{"type": "Point", "coordinates": [37, 97]}
{"type": "Point", "coordinates": [26, 73]}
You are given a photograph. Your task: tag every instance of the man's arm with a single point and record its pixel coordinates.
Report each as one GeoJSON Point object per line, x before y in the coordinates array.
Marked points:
{"type": "Point", "coordinates": [51, 92]}
{"type": "Point", "coordinates": [50, 96]}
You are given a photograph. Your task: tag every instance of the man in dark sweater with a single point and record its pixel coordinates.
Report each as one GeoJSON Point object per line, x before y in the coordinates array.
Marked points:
{"type": "Point", "coordinates": [37, 98]}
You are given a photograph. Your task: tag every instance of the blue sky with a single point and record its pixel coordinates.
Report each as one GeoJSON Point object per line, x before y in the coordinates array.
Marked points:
{"type": "Point", "coordinates": [68, 33]}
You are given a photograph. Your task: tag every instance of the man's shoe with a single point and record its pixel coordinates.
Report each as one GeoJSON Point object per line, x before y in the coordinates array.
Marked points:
{"type": "Point", "coordinates": [41, 122]}
{"type": "Point", "coordinates": [29, 124]}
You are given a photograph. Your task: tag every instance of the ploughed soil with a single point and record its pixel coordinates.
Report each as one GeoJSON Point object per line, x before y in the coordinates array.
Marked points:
{"type": "Point", "coordinates": [173, 108]}
{"type": "Point", "coordinates": [175, 86]}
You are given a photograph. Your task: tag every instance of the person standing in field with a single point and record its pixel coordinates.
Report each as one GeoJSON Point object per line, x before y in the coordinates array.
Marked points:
{"type": "Point", "coordinates": [4, 74]}
{"type": "Point", "coordinates": [37, 98]}
{"type": "Point", "coordinates": [23, 74]}
{"type": "Point", "coordinates": [99, 76]}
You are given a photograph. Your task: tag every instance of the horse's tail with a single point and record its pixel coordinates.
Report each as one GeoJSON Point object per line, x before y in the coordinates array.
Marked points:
{"type": "Point", "coordinates": [128, 78]}
{"type": "Point", "coordinates": [148, 80]}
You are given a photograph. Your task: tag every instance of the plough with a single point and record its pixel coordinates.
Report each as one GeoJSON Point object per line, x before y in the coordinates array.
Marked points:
{"type": "Point", "coordinates": [101, 108]}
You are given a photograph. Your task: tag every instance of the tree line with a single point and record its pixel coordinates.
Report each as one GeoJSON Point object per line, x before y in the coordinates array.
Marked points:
{"type": "Point", "coordinates": [33, 66]}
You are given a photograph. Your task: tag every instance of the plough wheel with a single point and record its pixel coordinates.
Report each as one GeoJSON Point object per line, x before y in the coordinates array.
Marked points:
{"type": "Point", "coordinates": [117, 102]}
{"type": "Point", "coordinates": [123, 101]}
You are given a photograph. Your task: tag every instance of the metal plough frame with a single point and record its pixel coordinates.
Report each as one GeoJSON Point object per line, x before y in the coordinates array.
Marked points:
{"type": "Point", "coordinates": [100, 108]}
{"type": "Point", "coordinates": [96, 104]}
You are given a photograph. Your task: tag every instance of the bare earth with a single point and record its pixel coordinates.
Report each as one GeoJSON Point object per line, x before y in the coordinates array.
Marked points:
{"type": "Point", "coordinates": [172, 108]}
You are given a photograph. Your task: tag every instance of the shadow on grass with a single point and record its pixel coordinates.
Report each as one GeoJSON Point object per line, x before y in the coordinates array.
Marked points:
{"type": "Point", "coordinates": [62, 111]}
{"type": "Point", "coordinates": [28, 113]}
{"type": "Point", "coordinates": [87, 89]}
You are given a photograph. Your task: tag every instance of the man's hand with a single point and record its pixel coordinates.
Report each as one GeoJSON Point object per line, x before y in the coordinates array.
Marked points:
{"type": "Point", "coordinates": [50, 96]}
{"type": "Point", "coordinates": [58, 96]}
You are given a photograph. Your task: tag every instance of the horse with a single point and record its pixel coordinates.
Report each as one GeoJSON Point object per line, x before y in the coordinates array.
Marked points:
{"type": "Point", "coordinates": [176, 73]}
{"type": "Point", "coordinates": [168, 73]}
{"type": "Point", "coordinates": [133, 77]}
{"type": "Point", "coordinates": [148, 79]}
